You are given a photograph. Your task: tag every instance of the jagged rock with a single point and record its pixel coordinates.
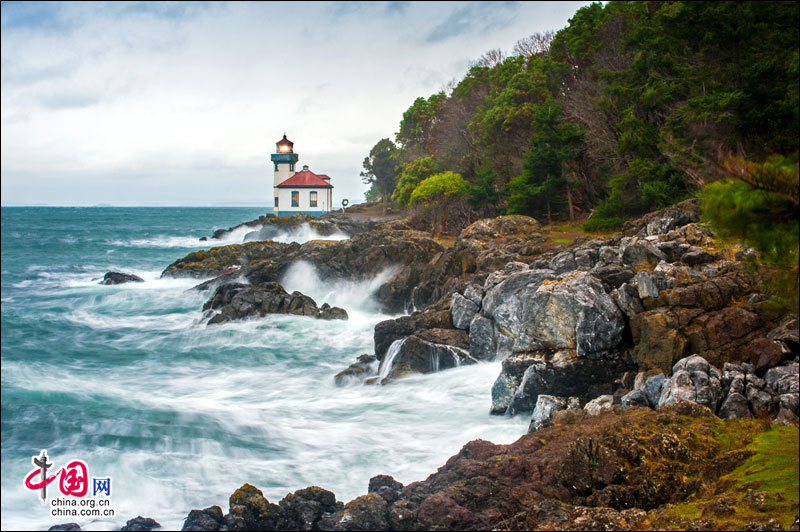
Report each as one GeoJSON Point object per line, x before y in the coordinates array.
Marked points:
{"type": "Point", "coordinates": [789, 401]}
{"type": "Point", "coordinates": [788, 332]}
{"type": "Point", "coordinates": [560, 373]}
{"type": "Point", "coordinates": [386, 332]}
{"type": "Point", "coordinates": [697, 256]}
{"type": "Point", "coordinates": [585, 259]}
{"type": "Point", "coordinates": [563, 262]}
{"type": "Point", "coordinates": [693, 379]}
{"type": "Point", "coordinates": [250, 510]}
{"type": "Point", "coordinates": [69, 527]}
{"type": "Point", "coordinates": [482, 340]}
{"type": "Point", "coordinates": [634, 398]}
{"type": "Point", "coordinates": [598, 404]}
{"type": "Point", "coordinates": [207, 520]}
{"type": "Point", "coordinates": [652, 389]}
{"type": "Point", "coordinates": [672, 249]}
{"type": "Point", "coordinates": [239, 301]}
{"type": "Point", "coordinates": [641, 252]}
{"type": "Point", "coordinates": [385, 486]}
{"type": "Point", "coordinates": [546, 406]}
{"type": "Point", "coordinates": [783, 379]}
{"type": "Point", "coordinates": [440, 512]}
{"type": "Point", "coordinates": [462, 311]}
{"type": "Point", "coordinates": [666, 223]}
{"type": "Point", "coordinates": [627, 299]}
{"type": "Point", "coordinates": [368, 512]}
{"type": "Point", "coordinates": [141, 524]}
{"type": "Point", "coordinates": [418, 354]}
{"type": "Point", "coordinates": [612, 275]}
{"type": "Point", "coordinates": [608, 255]}
{"type": "Point", "coordinates": [508, 381]}
{"type": "Point", "coordinates": [534, 310]}
{"type": "Point", "coordinates": [327, 312]}
{"type": "Point", "coordinates": [658, 341]}
{"type": "Point", "coordinates": [761, 403]}
{"type": "Point", "coordinates": [119, 278]}
{"type": "Point", "coordinates": [364, 366]}
{"type": "Point", "coordinates": [735, 406]}
{"type": "Point", "coordinates": [492, 228]}
{"type": "Point", "coordinates": [645, 285]}
{"type": "Point", "coordinates": [303, 509]}
{"type": "Point", "coordinates": [766, 353]}
{"type": "Point", "coordinates": [474, 293]}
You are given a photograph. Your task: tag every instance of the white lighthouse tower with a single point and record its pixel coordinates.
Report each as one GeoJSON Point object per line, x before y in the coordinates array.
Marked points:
{"type": "Point", "coordinates": [284, 160]}
{"type": "Point", "coordinates": [298, 192]}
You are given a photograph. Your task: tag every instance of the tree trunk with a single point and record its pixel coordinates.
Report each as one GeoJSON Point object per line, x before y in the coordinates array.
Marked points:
{"type": "Point", "coordinates": [569, 202]}
{"type": "Point", "coordinates": [549, 217]}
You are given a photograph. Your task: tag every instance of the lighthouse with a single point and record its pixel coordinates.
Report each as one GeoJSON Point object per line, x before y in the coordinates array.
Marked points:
{"type": "Point", "coordinates": [298, 192]}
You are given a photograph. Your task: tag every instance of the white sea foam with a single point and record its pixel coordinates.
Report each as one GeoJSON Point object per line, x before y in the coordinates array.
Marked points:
{"type": "Point", "coordinates": [185, 414]}
{"type": "Point", "coordinates": [350, 295]}
{"type": "Point", "coordinates": [305, 233]}
{"type": "Point", "coordinates": [301, 234]}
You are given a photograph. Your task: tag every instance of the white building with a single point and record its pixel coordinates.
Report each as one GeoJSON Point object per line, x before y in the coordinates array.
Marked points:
{"type": "Point", "coordinates": [296, 192]}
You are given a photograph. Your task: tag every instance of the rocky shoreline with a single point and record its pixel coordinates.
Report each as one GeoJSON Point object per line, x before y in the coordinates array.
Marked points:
{"type": "Point", "coordinates": [620, 350]}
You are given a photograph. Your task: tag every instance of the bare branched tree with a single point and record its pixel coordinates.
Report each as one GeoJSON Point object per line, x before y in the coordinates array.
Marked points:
{"type": "Point", "coordinates": [490, 59]}
{"type": "Point", "coordinates": [536, 45]}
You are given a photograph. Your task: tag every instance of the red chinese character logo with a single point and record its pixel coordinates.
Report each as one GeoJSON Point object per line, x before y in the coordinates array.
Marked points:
{"type": "Point", "coordinates": [74, 479]}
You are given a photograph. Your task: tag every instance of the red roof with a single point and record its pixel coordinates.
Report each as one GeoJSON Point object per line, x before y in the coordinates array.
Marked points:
{"type": "Point", "coordinates": [306, 178]}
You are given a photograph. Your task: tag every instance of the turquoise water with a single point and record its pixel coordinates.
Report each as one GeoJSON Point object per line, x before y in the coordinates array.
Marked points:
{"type": "Point", "coordinates": [128, 378]}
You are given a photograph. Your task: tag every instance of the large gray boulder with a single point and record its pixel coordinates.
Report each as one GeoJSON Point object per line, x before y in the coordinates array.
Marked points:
{"type": "Point", "coordinates": [462, 310]}
{"type": "Point", "coordinates": [735, 406]}
{"type": "Point", "coordinates": [652, 389]}
{"type": "Point", "coordinates": [634, 398]}
{"type": "Point", "coordinates": [561, 373]}
{"type": "Point", "coordinates": [418, 355]}
{"type": "Point", "coordinates": [120, 278]}
{"type": "Point", "coordinates": [236, 301]}
{"type": "Point", "coordinates": [693, 379]}
{"type": "Point", "coordinates": [537, 310]}
{"type": "Point", "coordinates": [598, 404]}
{"type": "Point", "coordinates": [546, 406]}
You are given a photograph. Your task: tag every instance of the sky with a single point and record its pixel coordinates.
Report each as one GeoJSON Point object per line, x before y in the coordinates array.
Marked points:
{"type": "Point", "coordinates": [181, 103]}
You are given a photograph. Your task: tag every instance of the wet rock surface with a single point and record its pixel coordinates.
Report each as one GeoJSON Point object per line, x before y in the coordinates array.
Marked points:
{"type": "Point", "coordinates": [209, 519]}
{"type": "Point", "coordinates": [141, 524]}
{"type": "Point", "coordinates": [271, 226]}
{"type": "Point", "coordinates": [240, 301]}
{"type": "Point", "coordinates": [120, 278]}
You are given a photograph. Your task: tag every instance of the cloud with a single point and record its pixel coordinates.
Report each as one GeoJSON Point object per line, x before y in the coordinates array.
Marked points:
{"type": "Point", "coordinates": [473, 18]}
{"type": "Point", "coordinates": [192, 99]}
{"type": "Point", "coordinates": [69, 100]}
{"type": "Point", "coordinates": [397, 7]}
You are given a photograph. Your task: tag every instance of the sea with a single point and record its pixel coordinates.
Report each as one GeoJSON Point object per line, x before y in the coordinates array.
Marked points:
{"type": "Point", "coordinates": [129, 380]}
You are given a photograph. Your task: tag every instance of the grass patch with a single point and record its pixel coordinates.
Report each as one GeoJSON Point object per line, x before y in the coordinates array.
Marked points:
{"type": "Point", "coordinates": [773, 470]}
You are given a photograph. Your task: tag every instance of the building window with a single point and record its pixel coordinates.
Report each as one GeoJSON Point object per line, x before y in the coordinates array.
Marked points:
{"type": "Point", "coordinates": [276, 202]}
{"type": "Point", "coordinates": [291, 167]}
{"type": "Point", "coordinates": [312, 198]}
{"type": "Point", "coordinates": [295, 198]}
{"type": "Point", "coordinates": [276, 167]}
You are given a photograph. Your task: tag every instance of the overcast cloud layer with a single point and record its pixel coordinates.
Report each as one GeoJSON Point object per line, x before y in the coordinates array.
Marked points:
{"type": "Point", "coordinates": [181, 104]}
